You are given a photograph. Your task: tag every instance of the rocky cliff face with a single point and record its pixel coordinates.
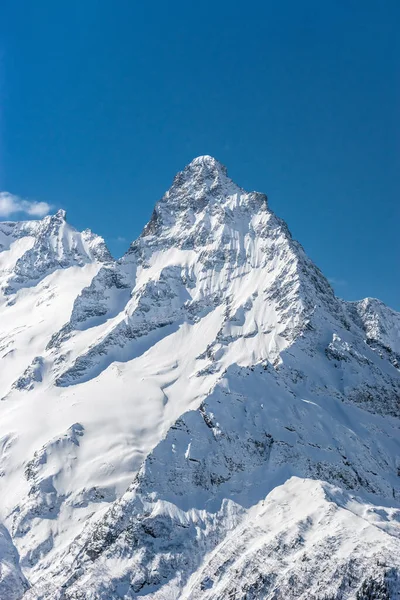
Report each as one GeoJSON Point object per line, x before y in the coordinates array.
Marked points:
{"type": "Point", "coordinates": [202, 418]}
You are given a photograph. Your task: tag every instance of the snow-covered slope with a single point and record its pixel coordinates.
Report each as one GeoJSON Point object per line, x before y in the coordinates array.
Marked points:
{"type": "Point", "coordinates": [202, 418]}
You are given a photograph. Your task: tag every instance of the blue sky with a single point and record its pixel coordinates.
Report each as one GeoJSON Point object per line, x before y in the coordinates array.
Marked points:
{"type": "Point", "coordinates": [102, 102]}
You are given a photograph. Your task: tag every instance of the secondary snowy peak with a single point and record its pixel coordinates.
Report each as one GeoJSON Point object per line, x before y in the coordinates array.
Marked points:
{"type": "Point", "coordinates": [29, 250]}
{"type": "Point", "coordinates": [380, 323]}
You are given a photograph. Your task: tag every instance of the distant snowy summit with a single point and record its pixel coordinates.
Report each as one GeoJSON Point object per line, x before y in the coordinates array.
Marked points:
{"type": "Point", "coordinates": [202, 418]}
{"type": "Point", "coordinates": [32, 249]}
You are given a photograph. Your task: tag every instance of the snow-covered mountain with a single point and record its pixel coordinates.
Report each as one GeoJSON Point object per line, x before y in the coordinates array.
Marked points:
{"type": "Point", "coordinates": [202, 418]}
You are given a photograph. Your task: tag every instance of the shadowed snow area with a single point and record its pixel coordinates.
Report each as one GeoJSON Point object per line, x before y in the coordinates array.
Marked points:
{"type": "Point", "coordinates": [202, 418]}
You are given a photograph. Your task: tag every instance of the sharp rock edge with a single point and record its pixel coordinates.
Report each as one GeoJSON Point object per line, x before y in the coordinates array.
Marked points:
{"type": "Point", "coordinates": [201, 418]}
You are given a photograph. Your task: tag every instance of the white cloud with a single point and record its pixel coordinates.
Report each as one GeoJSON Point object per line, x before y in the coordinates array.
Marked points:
{"type": "Point", "coordinates": [11, 204]}
{"type": "Point", "coordinates": [335, 281]}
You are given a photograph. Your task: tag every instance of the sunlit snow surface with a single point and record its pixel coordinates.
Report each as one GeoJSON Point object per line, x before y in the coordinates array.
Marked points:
{"type": "Point", "coordinates": [200, 419]}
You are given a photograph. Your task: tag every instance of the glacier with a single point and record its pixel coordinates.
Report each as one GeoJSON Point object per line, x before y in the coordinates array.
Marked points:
{"type": "Point", "coordinates": [202, 418]}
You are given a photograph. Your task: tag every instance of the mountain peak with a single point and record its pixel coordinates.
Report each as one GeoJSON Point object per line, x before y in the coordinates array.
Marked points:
{"type": "Point", "coordinates": [203, 172]}
{"type": "Point", "coordinates": [203, 185]}
{"type": "Point", "coordinates": [61, 214]}
{"type": "Point", "coordinates": [206, 164]}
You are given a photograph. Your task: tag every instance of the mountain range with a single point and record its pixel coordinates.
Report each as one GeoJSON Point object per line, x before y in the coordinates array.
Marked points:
{"type": "Point", "coordinates": [200, 419]}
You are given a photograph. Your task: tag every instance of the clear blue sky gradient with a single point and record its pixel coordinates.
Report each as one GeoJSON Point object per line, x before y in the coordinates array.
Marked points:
{"type": "Point", "coordinates": [102, 102]}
